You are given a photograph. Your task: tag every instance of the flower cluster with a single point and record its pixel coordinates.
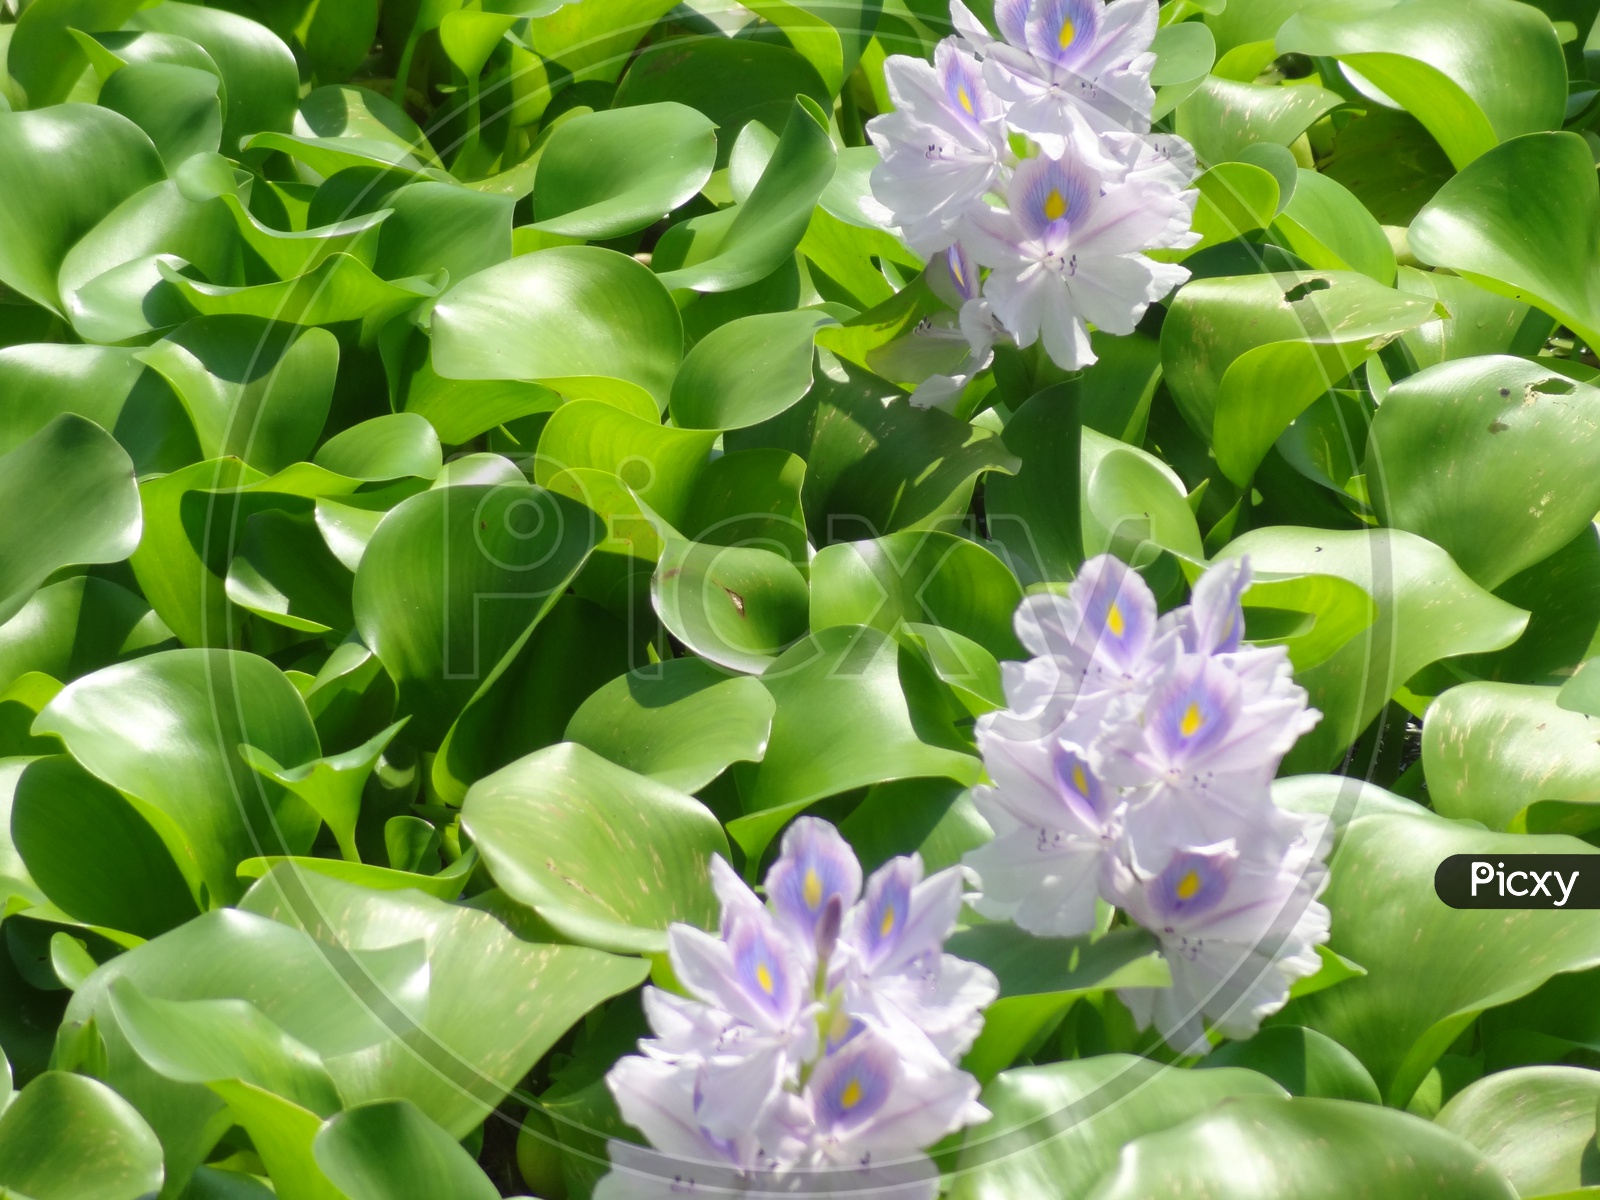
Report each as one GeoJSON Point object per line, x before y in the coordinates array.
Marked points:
{"type": "Point", "coordinates": [817, 1055]}
{"type": "Point", "coordinates": [1133, 765]}
{"type": "Point", "coordinates": [1031, 155]}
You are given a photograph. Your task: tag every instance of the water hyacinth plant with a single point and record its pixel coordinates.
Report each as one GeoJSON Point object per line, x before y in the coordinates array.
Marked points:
{"type": "Point", "coordinates": [870, 598]}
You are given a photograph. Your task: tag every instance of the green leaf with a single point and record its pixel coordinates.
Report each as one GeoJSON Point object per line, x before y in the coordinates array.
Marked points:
{"type": "Point", "coordinates": [751, 498]}
{"type": "Point", "coordinates": [1303, 1061]}
{"type": "Point", "coordinates": [605, 174]}
{"type": "Point", "coordinates": [1235, 198]}
{"type": "Point", "coordinates": [254, 389]}
{"type": "Point", "coordinates": [743, 244]}
{"type": "Point", "coordinates": [62, 170]}
{"type": "Point", "coordinates": [258, 71]}
{"type": "Point", "coordinates": [93, 854]}
{"type": "Point", "coordinates": [732, 80]}
{"type": "Point", "coordinates": [44, 57]}
{"type": "Point", "coordinates": [387, 447]}
{"type": "Point", "coordinates": [1031, 514]}
{"type": "Point", "coordinates": [658, 463]}
{"type": "Point", "coordinates": [1332, 230]}
{"type": "Point", "coordinates": [452, 584]}
{"type": "Point", "coordinates": [1264, 1149]}
{"type": "Point", "coordinates": [1430, 969]}
{"type": "Point", "coordinates": [680, 722]}
{"type": "Point", "coordinates": [76, 626]}
{"type": "Point", "coordinates": [843, 721]}
{"type": "Point", "coordinates": [340, 110]}
{"type": "Point", "coordinates": [595, 43]}
{"type": "Point", "coordinates": [1536, 1125]}
{"type": "Point", "coordinates": [1057, 1129]}
{"type": "Point", "coordinates": [157, 730]}
{"type": "Point", "coordinates": [1222, 117]}
{"type": "Point", "coordinates": [332, 785]}
{"type": "Point", "coordinates": [875, 464]}
{"type": "Point", "coordinates": [574, 649]}
{"type": "Point", "coordinates": [1521, 220]}
{"type": "Point", "coordinates": [925, 577]}
{"type": "Point", "coordinates": [390, 1151]}
{"type": "Point", "coordinates": [607, 857]}
{"type": "Point", "coordinates": [1128, 497]}
{"type": "Point", "coordinates": [340, 36]}
{"type": "Point", "coordinates": [1512, 758]}
{"type": "Point", "coordinates": [1520, 442]}
{"type": "Point", "coordinates": [738, 606]}
{"type": "Point", "coordinates": [77, 486]}
{"type": "Point", "coordinates": [470, 37]}
{"type": "Point", "coordinates": [284, 572]}
{"type": "Point", "coordinates": [213, 1041]}
{"type": "Point", "coordinates": [1480, 321]}
{"type": "Point", "coordinates": [581, 320]}
{"type": "Point", "coordinates": [1427, 609]}
{"type": "Point", "coordinates": [746, 371]}
{"type": "Point", "coordinates": [445, 885]}
{"type": "Point", "coordinates": [1474, 72]}
{"type": "Point", "coordinates": [65, 1137]}
{"type": "Point", "coordinates": [1244, 356]}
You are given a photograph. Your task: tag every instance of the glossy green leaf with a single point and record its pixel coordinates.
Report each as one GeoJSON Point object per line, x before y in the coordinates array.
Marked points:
{"type": "Point", "coordinates": [732, 80]}
{"type": "Point", "coordinates": [1518, 438]}
{"type": "Point", "coordinates": [680, 722]}
{"type": "Point", "coordinates": [746, 371]}
{"type": "Point", "coordinates": [77, 485]}
{"type": "Point", "coordinates": [659, 463]}
{"type": "Point", "coordinates": [388, 447]}
{"type": "Point", "coordinates": [751, 498]}
{"type": "Point", "coordinates": [928, 577]}
{"type": "Point", "coordinates": [64, 169]}
{"type": "Point", "coordinates": [93, 854]}
{"type": "Point", "coordinates": [1256, 1148]}
{"type": "Point", "coordinates": [552, 317]}
{"type": "Point", "coordinates": [1330, 229]}
{"type": "Point", "coordinates": [1246, 355]}
{"type": "Point", "coordinates": [738, 606]}
{"type": "Point", "coordinates": [188, 780]}
{"type": "Point", "coordinates": [608, 173]}
{"type": "Point", "coordinates": [253, 389]}
{"type": "Point", "coordinates": [1030, 514]}
{"type": "Point", "coordinates": [178, 107]}
{"type": "Point", "coordinates": [1235, 198]}
{"type": "Point", "coordinates": [1057, 1129]}
{"type": "Point", "coordinates": [875, 464]}
{"type": "Point", "coordinates": [76, 626]}
{"type": "Point", "coordinates": [469, 37]}
{"type": "Point", "coordinates": [64, 1137]}
{"type": "Point", "coordinates": [1303, 1061]}
{"type": "Point", "coordinates": [740, 245]}
{"type": "Point", "coordinates": [1128, 498]}
{"type": "Point", "coordinates": [258, 69]}
{"type": "Point", "coordinates": [1430, 969]}
{"type": "Point", "coordinates": [591, 43]}
{"type": "Point", "coordinates": [1222, 117]}
{"type": "Point", "coordinates": [1480, 321]}
{"type": "Point", "coordinates": [1427, 609]}
{"type": "Point", "coordinates": [607, 857]}
{"type": "Point", "coordinates": [44, 58]}
{"type": "Point", "coordinates": [332, 785]}
{"type": "Point", "coordinates": [843, 721]}
{"type": "Point", "coordinates": [391, 1151]}
{"type": "Point", "coordinates": [1536, 1125]}
{"type": "Point", "coordinates": [1474, 73]}
{"type": "Point", "coordinates": [1521, 220]}
{"type": "Point", "coordinates": [1510, 757]}
{"type": "Point", "coordinates": [453, 582]}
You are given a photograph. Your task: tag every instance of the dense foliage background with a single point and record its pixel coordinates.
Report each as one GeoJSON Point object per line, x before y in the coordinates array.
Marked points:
{"type": "Point", "coordinates": [420, 556]}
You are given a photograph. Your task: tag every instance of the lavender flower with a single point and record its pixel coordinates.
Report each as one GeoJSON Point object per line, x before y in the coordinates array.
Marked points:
{"type": "Point", "coordinates": [816, 1053]}
{"type": "Point", "coordinates": [1031, 155]}
{"type": "Point", "coordinates": [1133, 765]}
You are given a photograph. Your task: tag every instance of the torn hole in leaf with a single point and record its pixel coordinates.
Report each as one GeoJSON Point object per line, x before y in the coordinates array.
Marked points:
{"type": "Point", "coordinates": [1301, 290]}
{"type": "Point", "coordinates": [1556, 385]}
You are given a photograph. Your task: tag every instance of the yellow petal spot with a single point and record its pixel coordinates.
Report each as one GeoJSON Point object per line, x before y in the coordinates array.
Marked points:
{"type": "Point", "coordinates": [813, 888]}
{"type": "Point", "coordinates": [1192, 720]}
{"type": "Point", "coordinates": [966, 99]}
{"type": "Point", "coordinates": [764, 978]}
{"type": "Point", "coordinates": [1114, 621]}
{"type": "Point", "coordinates": [1068, 32]}
{"type": "Point", "coordinates": [1055, 205]}
{"type": "Point", "coordinates": [839, 1027]}
{"type": "Point", "coordinates": [887, 925]}
{"type": "Point", "coordinates": [1080, 780]}
{"type": "Point", "coordinates": [851, 1096]}
{"type": "Point", "coordinates": [1189, 886]}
